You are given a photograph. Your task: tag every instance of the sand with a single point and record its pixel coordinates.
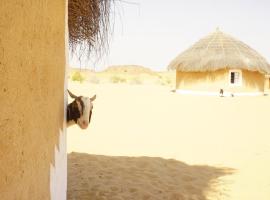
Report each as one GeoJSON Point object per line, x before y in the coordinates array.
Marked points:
{"type": "Point", "coordinates": [107, 177]}
{"type": "Point", "coordinates": [145, 142]}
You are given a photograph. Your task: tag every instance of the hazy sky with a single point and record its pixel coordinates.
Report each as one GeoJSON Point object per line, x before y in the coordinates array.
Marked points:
{"type": "Point", "coordinates": [152, 32]}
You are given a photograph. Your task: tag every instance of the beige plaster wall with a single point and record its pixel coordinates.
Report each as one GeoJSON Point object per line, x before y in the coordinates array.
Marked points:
{"type": "Point", "coordinates": [214, 81]}
{"type": "Point", "coordinates": [32, 69]}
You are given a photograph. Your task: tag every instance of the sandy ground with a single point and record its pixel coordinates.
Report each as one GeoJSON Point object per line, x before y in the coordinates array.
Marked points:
{"type": "Point", "coordinates": [145, 142]}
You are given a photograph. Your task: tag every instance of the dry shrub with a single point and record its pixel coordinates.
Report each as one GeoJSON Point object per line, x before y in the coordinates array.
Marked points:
{"type": "Point", "coordinates": [117, 79]}
{"type": "Point", "coordinates": [77, 76]}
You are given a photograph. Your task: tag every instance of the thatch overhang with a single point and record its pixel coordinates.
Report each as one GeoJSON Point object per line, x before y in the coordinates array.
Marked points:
{"type": "Point", "coordinates": [89, 25]}
{"type": "Point", "coordinates": [219, 51]}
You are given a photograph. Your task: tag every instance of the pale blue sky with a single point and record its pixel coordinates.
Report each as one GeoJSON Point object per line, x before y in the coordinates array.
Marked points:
{"type": "Point", "coordinates": [153, 32]}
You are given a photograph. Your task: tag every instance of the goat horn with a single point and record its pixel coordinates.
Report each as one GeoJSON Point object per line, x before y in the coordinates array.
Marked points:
{"type": "Point", "coordinates": [72, 95]}
{"type": "Point", "coordinates": [93, 98]}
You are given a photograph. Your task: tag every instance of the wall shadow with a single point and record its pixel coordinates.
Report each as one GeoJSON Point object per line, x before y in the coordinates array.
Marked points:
{"type": "Point", "coordinates": [138, 178]}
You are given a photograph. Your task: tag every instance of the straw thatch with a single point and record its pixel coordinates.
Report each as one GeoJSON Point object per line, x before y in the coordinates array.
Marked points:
{"type": "Point", "coordinates": [89, 24]}
{"type": "Point", "coordinates": [219, 51]}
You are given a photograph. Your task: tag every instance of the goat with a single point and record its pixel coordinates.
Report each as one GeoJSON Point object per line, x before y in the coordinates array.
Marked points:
{"type": "Point", "coordinates": [79, 111]}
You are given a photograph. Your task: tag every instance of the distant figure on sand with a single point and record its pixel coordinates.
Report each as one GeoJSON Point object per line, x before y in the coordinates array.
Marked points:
{"type": "Point", "coordinates": [221, 93]}
{"type": "Point", "coordinates": [79, 111]}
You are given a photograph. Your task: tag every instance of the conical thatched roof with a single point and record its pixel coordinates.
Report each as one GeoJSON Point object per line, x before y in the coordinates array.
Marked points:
{"type": "Point", "coordinates": [218, 51]}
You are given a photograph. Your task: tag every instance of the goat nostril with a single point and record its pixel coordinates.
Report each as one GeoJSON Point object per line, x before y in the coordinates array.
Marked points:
{"type": "Point", "coordinates": [84, 122]}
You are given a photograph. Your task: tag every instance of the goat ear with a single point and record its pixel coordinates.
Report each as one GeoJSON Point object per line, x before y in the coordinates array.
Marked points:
{"type": "Point", "coordinates": [72, 95]}
{"type": "Point", "coordinates": [93, 98]}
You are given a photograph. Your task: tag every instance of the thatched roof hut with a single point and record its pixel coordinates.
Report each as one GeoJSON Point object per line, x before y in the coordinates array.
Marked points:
{"type": "Point", "coordinates": [220, 62]}
{"type": "Point", "coordinates": [218, 51]}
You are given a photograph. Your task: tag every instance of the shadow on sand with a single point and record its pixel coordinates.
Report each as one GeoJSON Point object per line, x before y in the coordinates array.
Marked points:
{"type": "Point", "coordinates": [99, 177]}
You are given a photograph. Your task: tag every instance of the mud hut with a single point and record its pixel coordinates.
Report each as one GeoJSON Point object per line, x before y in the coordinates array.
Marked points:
{"type": "Point", "coordinates": [33, 59]}
{"type": "Point", "coordinates": [220, 63]}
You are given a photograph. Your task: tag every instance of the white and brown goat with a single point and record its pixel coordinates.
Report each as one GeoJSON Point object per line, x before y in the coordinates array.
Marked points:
{"type": "Point", "coordinates": [80, 110]}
